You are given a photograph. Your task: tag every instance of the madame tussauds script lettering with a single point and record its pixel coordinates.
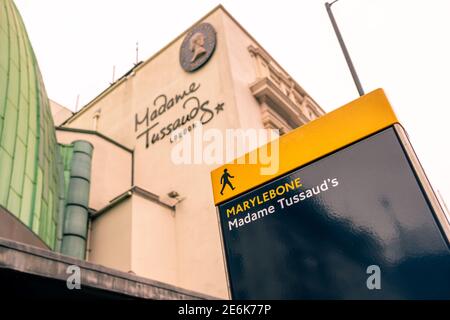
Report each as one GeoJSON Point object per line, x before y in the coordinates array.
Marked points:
{"type": "Point", "coordinates": [193, 107]}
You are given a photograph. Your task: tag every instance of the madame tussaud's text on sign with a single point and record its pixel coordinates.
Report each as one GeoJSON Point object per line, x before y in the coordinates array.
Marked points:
{"type": "Point", "coordinates": [241, 213]}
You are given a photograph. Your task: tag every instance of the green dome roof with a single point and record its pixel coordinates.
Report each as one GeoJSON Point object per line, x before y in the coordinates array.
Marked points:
{"type": "Point", "coordinates": [29, 174]}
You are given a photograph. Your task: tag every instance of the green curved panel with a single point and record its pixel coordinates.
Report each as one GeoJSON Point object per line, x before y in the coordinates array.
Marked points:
{"type": "Point", "coordinates": [29, 173]}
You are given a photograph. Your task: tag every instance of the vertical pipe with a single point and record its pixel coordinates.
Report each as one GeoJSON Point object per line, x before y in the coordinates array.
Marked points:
{"type": "Point", "coordinates": [77, 204]}
{"type": "Point", "coordinates": [344, 50]}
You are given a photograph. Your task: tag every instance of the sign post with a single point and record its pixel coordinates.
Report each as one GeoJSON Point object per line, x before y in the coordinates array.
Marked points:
{"type": "Point", "coordinates": [348, 215]}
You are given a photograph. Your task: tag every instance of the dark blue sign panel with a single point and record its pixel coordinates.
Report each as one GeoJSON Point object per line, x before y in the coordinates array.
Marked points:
{"type": "Point", "coordinates": [353, 225]}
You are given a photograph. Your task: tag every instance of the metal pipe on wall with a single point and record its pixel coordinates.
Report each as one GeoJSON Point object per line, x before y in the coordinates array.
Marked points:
{"type": "Point", "coordinates": [77, 204]}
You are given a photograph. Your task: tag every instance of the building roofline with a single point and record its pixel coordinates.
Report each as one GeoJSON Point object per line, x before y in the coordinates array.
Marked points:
{"type": "Point", "coordinates": [36, 237]}
{"type": "Point", "coordinates": [96, 133]}
{"type": "Point", "coordinates": [141, 64]}
{"type": "Point", "coordinates": [59, 104]}
{"type": "Point", "coordinates": [127, 194]}
{"type": "Point", "coordinates": [53, 265]}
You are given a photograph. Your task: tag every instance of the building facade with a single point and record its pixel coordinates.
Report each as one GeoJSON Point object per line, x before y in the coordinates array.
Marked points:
{"type": "Point", "coordinates": [105, 187]}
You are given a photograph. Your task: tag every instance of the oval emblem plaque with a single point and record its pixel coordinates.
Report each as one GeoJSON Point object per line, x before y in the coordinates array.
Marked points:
{"type": "Point", "coordinates": [197, 47]}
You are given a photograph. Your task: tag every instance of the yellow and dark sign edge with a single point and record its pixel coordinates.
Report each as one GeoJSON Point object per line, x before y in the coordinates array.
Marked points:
{"type": "Point", "coordinates": [333, 131]}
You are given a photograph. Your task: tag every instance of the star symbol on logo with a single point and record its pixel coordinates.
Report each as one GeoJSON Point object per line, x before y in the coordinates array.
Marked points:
{"type": "Point", "coordinates": [219, 107]}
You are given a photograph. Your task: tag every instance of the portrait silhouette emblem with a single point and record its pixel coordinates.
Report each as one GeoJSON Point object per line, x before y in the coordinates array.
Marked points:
{"type": "Point", "coordinates": [197, 47]}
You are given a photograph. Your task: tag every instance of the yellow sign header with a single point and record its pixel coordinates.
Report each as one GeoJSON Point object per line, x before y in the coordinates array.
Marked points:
{"type": "Point", "coordinates": [339, 128]}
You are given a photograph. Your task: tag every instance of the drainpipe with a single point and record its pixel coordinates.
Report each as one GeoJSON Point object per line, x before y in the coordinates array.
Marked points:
{"type": "Point", "coordinates": [77, 203]}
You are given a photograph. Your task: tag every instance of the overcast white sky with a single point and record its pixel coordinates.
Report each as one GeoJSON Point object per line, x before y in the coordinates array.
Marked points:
{"type": "Point", "coordinates": [402, 46]}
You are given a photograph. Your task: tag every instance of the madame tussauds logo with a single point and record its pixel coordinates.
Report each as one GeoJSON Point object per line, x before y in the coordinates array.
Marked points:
{"type": "Point", "coordinates": [195, 110]}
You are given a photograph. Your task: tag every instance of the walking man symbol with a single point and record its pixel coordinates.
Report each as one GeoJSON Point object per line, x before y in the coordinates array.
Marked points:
{"type": "Point", "coordinates": [224, 180]}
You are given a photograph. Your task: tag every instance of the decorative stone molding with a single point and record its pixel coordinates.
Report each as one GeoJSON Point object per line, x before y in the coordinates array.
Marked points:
{"type": "Point", "coordinates": [284, 104]}
{"type": "Point", "coordinates": [273, 120]}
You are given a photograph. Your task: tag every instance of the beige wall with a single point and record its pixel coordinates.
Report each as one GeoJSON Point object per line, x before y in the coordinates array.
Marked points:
{"type": "Point", "coordinates": [110, 171]}
{"type": "Point", "coordinates": [136, 235]}
{"type": "Point", "coordinates": [110, 238]}
{"type": "Point", "coordinates": [154, 247]}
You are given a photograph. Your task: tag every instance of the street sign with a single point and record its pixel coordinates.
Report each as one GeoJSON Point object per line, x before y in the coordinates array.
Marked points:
{"type": "Point", "coordinates": [354, 219]}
